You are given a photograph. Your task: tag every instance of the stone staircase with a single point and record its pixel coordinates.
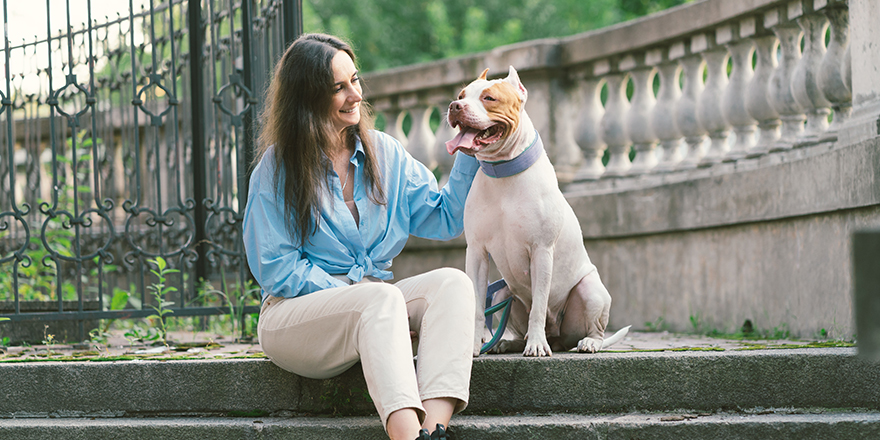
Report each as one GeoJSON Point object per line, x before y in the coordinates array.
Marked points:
{"type": "Point", "coordinates": [814, 393]}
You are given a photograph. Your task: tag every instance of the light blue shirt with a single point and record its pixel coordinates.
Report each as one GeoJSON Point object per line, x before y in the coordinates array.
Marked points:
{"type": "Point", "coordinates": [415, 206]}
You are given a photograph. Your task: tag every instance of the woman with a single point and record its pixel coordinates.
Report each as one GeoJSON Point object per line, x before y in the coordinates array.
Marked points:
{"type": "Point", "coordinates": [331, 203]}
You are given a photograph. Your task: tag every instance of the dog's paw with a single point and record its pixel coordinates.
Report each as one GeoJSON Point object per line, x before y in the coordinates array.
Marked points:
{"type": "Point", "coordinates": [589, 345]}
{"type": "Point", "coordinates": [537, 348]}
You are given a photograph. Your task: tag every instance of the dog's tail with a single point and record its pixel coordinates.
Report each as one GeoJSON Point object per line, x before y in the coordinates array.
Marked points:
{"type": "Point", "coordinates": [615, 338]}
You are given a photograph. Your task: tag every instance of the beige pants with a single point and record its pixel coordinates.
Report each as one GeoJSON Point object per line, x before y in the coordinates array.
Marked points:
{"type": "Point", "coordinates": [322, 334]}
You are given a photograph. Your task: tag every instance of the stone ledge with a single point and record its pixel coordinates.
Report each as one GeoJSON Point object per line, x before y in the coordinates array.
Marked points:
{"type": "Point", "coordinates": [791, 424]}
{"type": "Point", "coordinates": [599, 383]}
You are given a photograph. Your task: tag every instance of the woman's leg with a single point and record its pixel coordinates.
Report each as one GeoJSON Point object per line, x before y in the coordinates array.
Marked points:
{"type": "Point", "coordinates": [440, 305]}
{"type": "Point", "coordinates": [322, 334]}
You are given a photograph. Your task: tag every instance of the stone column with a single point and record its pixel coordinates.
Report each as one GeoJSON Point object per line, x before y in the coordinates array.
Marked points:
{"type": "Point", "coordinates": [638, 118]}
{"type": "Point", "coordinates": [614, 123]}
{"type": "Point", "coordinates": [865, 47]}
{"type": "Point", "coordinates": [709, 106]}
{"type": "Point", "coordinates": [733, 104]}
{"type": "Point", "coordinates": [686, 107]}
{"type": "Point", "coordinates": [587, 130]}
{"type": "Point", "coordinates": [663, 117]}
{"type": "Point", "coordinates": [393, 117]}
{"type": "Point", "coordinates": [758, 99]}
{"type": "Point", "coordinates": [805, 84]}
{"type": "Point", "coordinates": [782, 98]}
{"type": "Point", "coordinates": [831, 71]}
{"type": "Point", "coordinates": [420, 142]}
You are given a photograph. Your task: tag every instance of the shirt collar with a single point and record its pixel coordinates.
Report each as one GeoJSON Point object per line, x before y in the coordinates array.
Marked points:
{"type": "Point", "coordinates": [359, 154]}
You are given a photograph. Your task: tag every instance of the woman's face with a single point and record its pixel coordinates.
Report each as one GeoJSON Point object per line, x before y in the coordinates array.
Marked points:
{"type": "Point", "coordinates": [346, 93]}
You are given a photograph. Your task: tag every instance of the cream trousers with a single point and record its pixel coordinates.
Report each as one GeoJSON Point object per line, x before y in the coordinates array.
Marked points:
{"type": "Point", "coordinates": [324, 333]}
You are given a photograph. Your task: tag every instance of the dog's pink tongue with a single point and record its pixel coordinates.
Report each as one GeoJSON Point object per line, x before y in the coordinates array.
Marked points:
{"type": "Point", "coordinates": [465, 139]}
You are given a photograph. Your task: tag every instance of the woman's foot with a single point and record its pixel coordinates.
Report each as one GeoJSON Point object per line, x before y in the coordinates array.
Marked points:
{"type": "Point", "coordinates": [440, 433]}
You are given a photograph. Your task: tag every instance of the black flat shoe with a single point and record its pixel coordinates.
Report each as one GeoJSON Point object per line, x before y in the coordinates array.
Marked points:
{"type": "Point", "coordinates": [424, 435]}
{"type": "Point", "coordinates": [441, 433]}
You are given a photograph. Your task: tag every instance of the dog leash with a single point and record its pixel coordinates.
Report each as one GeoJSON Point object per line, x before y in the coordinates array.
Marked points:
{"type": "Point", "coordinates": [491, 310]}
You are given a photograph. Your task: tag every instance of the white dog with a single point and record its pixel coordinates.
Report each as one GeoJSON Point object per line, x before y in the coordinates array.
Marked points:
{"type": "Point", "coordinates": [516, 213]}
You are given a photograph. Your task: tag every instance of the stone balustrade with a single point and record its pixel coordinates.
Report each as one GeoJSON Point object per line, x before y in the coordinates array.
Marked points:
{"type": "Point", "coordinates": [695, 148]}
{"type": "Point", "coordinates": [703, 84]}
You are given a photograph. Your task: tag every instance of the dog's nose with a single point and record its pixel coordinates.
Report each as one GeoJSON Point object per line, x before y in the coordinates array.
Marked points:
{"type": "Point", "coordinates": [456, 106]}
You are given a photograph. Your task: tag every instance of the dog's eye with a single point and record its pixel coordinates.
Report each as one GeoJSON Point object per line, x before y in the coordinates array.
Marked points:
{"type": "Point", "coordinates": [461, 95]}
{"type": "Point", "coordinates": [488, 98]}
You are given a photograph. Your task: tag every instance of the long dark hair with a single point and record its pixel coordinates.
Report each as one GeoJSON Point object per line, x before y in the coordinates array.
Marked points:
{"type": "Point", "coordinates": [296, 121]}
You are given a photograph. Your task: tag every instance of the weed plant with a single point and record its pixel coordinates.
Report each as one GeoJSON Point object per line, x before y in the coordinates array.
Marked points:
{"type": "Point", "coordinates": [159, 289]}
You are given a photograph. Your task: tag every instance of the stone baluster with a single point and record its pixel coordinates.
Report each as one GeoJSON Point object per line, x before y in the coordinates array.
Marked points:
{"type": "Point", "coordinates": [782, 98]}
{"type": "Point", "coordinates": [638, 118]}
{"type": "Point", "coordinates": [614, 121]}
{"type": "Point", "coordinates": [686, 107]}
{"type": "Point", "coordinates": [758, 100]}
{"type": "Point", "coordinates": [804, 83]}
{"type": "Point", "coordinates": [733, 105]}
{"type": "Point", "coordinates": [444, 133]}
{"type": "Point", "coordinates": [420, 142]}
{"type": "Point", "coordinates": [587, 131]}
{"type": "Point", "coordinates": [393, 118]}
{"type": "Point", "coordinates": [831, 71]}
{"type": "Point", "coordinates": [662, 119]}
{"type": "Point", "coordinates": [709, 105]}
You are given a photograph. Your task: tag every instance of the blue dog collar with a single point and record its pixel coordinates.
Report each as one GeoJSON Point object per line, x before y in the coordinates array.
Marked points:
{"type": "Point", "coordinates": [518, 164]}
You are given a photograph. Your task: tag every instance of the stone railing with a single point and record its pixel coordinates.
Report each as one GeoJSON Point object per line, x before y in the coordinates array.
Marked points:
{"type": "Point", "coordinates": [759, 88]}
{"type": "Point", "coordinates": [718, 155]}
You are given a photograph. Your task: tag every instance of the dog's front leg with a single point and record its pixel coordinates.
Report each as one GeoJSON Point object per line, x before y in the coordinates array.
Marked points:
{"type": "Point", "coordinates": [477, 268]}
{"type": "Point", "coordinates": [541, 274]}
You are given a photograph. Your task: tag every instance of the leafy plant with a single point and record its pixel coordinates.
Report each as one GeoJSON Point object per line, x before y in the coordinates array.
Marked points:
{"type": "Point", "coordinates": [138, 334]}
{"type": "Point", "coordinates": [118, 301]}
{"type": "Point", "coordinates": [5, 340]}
{"type": "Point", "coordinates": [656, 326]}
{"type": "Point", "coordinates": [236, 299]}
{"type": "Point", "coordinates": [159, 290]}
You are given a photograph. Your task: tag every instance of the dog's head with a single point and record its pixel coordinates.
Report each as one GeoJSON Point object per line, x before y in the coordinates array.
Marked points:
{"type": "Point", "coordinates": [486, 112]}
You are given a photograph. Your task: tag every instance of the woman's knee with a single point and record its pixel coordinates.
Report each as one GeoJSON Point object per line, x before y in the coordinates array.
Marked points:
{"type": "Point", "coordinates": [386, 297]}
{"type": "Point", "coordinates": [453, 286]}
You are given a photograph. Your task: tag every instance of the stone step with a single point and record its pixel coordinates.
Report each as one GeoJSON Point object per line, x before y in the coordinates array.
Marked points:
{"type": "Point", "coordinates": [607, 382]}
{"type": "Point", "coordinates": [780, 425]}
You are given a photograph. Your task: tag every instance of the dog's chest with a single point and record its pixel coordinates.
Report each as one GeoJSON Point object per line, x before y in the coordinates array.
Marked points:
{"type": "Point", "coordinates": [512, 212]}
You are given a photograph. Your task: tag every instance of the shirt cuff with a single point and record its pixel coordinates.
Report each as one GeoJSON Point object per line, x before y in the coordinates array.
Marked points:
{"type": "Point", "coordinates": [465, 164]}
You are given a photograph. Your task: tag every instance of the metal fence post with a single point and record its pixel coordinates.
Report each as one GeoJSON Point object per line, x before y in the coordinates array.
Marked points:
{"type": "Point", "coordinates": [200, 192]}
{"type": "Point", "coordinates": [292, 19]}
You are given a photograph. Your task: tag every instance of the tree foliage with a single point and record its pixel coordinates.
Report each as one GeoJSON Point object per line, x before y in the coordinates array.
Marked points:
{"type": "Point", "coordinates": [389, 33]}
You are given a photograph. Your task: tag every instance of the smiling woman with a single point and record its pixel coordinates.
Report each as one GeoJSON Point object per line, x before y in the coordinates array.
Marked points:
{"type": "Point", "coordinates": [332, 202]}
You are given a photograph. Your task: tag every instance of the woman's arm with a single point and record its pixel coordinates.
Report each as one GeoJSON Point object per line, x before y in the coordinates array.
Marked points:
{"type": "Point", "coordinates": [439, 214]}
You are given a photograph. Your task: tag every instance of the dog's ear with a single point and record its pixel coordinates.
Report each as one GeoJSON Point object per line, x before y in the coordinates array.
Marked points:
{"type": "Point", "coordinates": [513, 79]}
{"type": "Point", "coordinates": [483, 75]}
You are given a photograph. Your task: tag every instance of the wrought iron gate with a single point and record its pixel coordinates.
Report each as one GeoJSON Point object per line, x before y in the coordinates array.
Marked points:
{"type": "Point", "coordinates": [126, 139]}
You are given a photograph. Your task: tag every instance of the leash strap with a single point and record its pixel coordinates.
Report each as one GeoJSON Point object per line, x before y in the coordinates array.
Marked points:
{"type": "Point", "coordinates": [518, 164]}
{"type": "Point", "coordinates": [491, 310]}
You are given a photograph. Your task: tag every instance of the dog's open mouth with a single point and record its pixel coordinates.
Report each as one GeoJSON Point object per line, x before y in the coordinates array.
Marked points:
{"type": "Point", "coordinates": [472, 139]}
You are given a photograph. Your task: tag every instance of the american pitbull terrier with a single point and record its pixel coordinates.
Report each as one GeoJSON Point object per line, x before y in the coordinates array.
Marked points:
{"type": "Point", "coordinates": [516, 213]}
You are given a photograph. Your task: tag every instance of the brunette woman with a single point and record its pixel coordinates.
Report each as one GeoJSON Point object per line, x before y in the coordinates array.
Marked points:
{"type": "Point", "coordinates": [331, 203]}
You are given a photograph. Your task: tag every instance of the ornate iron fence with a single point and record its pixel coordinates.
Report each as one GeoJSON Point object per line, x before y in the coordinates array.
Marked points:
{"type": "Point", "coordinates": [121, 144]}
